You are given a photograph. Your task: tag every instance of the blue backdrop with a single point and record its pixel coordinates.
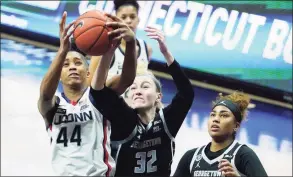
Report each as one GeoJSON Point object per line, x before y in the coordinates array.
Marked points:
{"type": "Point", "coordinates": [267, 60]}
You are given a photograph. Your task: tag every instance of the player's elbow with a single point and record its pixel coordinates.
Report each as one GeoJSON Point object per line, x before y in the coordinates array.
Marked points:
{"type": "Point", "coordinates": [122, 87]}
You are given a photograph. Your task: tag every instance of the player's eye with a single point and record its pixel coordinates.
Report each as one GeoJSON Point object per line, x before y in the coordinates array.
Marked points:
{"type": "Point", "coordinates": [65, 64]}
{"type": "Point", "coordinates": [212, 114]}
{"type": "Point", "coordinates": [132, 88]}
{"type": "Point", "coordinates": [78, 63]}
{"type": "Point", "coordinates": [224, 115]}
{"type": "Point", "coordinates": [123, 17]}
{"type": "Point", "coordinates": [145, 86]}
{"type": "Point", "coordinates": [133, 17]}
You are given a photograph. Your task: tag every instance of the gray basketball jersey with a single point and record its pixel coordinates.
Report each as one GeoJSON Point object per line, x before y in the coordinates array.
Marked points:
{"type": "Point", "coordinates": [117, 63]}
{"type": "Point", "coordinates": [201, 165]}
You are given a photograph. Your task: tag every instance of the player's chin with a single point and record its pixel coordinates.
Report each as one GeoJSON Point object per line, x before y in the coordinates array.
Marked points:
{"type": "Point", "coordinates": [75, 82]}
{"type": "Point", "coordinates": [215, 135]}
{"type": "Point", "coordinates": [139, 106]}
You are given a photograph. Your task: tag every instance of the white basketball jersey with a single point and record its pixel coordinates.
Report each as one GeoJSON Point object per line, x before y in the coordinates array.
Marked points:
{"type": "Point", "coordinates": [117, 63]}
{"type": "Point", "coordinates": [80, 139]}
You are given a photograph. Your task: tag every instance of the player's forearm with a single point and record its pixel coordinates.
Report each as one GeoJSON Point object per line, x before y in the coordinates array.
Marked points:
{"type": "Point", "coordinates": [51, 79]}
{"type": "Point", "coordinates": [92, 68]}
{"type": "Point", "coordinates": [129, 66]}
{"type": "Point", "coordinates": [168, 57]}
{"type": "Point", "coordinates": [101, 73]}
{"type": "Point", "coordinates": [184, 87]}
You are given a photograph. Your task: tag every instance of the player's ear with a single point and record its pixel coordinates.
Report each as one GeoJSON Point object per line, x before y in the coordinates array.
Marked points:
{"type": "Point", "coordinates": [237, 126]}
{"type": "Point", "coordinates": [159, 97]}
{"type": "Point", "coordinates": [88, 74]}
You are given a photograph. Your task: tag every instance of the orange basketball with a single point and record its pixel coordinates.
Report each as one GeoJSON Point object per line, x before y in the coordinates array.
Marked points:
{"type": "Point", "coordinates": [91, 33]}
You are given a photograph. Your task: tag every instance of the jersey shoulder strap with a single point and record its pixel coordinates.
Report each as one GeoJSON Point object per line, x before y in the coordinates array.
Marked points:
{"type": "Point", "coordinates": [143, 49]}
{"type": "Point", "coordinates": [196, 157]}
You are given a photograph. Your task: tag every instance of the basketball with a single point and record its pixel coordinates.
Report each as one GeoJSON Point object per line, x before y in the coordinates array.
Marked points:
{"type": "Point", "coordinates": [91, 33]}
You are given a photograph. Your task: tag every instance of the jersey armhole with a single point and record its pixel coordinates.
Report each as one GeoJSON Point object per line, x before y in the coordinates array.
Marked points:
{"type": "Point", "coordinates": [113, 61]}
{"type": "Point", "coordinates": [165, 125]}
{"type": "Point", "coordinates": [49, 116]}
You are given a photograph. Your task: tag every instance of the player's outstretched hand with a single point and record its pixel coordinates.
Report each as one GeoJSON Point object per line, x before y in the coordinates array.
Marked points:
{"type": "Point", "coordinates": [64, 34]}
{"type": "Point", "coordinates": [158, 35]}
{"type": "Point", "coordinates": [226, 168]}
{"type": "Point", "coordinates": [121, 30]}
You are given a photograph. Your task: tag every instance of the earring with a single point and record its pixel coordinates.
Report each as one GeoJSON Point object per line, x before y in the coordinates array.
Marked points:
{"type": "Point", "coordinates": [235, 129]}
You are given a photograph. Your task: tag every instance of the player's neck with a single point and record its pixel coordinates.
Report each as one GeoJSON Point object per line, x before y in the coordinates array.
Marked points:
{"type": "Point", "coordinates": [72, 93]}
{"type": "Point", "coordinates": [123, 45]}
{"type": "Point", "coordinates": [146, 116]}
{"type": "Point", "coordinates": [216, 146]}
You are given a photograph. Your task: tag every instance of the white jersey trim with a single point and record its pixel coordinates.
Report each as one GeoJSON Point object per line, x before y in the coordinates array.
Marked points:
{"type": "Point", "coordinates": [117, 154]}
{"type": "Point", "coordinates": [219, 157]}
{"type": "Point", "coordinates": [193, 158]}
{"type": "Point", "coordinates": [165, 125]}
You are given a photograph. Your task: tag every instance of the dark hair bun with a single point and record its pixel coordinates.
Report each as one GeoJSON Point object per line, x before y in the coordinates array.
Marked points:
{"type": "Point", "coordinates": [119, 3]}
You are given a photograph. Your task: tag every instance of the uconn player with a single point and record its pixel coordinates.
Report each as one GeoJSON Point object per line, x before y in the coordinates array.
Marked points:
{"type": "Point", "coordinates": [127, 11]}
{"type": "Point", "coordinates": [79, 134]}
{"type": "Point", "coordinates": [149, 149]}
{"type": "Point", "coordinates": [223, 156]}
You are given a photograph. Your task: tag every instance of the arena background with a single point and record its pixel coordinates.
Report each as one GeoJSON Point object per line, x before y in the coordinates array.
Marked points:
{"type": "Point", "coordinates": [254, 55]}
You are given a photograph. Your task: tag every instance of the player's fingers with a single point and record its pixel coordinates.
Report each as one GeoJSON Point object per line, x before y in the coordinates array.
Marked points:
{"type": "Point", "coordinates": [222, 164]}
{"type": "Point", "coordinates": [117, 31]}
{"type": "Point", "coordinates": [69, 33]}
{"type": "Point", "coordinates": [154, 30]}
{"type": "Point", "coordinates": [151, 33]}
{"type": "Point", "coordinates": [226, 168]}
{"type": "Point", "coordinates": [115, 39]}
{"type": "Point", "coordinates": [229, 173]}
{"type": "Point", "coordinates": [62, 21]}
{"type": "Point", "coordinates": [161, 33]}
{"type": "Point", "coordinates": [151, 28]}
{"type": "Point", "coordinates": [154, 37]}
{"type": "Point", "coordinates": [113, 17]}
{"type": "Point", "coordinates": [115, 24]}
{"type": "Point", "coordinates": [69, 26]}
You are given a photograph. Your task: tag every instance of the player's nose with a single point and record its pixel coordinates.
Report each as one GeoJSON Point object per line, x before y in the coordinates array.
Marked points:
{"type": "Point", "coordinates": [128, 21]}
{"type": "Point", "coordinates": [72, 67]}
{"type": "Point", "coordinates": [137, 91]}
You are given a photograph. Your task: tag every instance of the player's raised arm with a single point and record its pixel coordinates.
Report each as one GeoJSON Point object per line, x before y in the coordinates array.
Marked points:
{"type": "Point", "coordinates": [120, 83]}
{"type": "Point", "coordinates": [129, 65]}
{"type": "Point", "coordinates": [100, 75]}
{"type": "Point", "coordinates": [181, 103]}
{"type": "Point", "coordinates": [50, 81]}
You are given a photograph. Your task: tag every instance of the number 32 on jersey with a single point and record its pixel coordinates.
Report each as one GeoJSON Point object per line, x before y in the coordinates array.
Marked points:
{"type": "Point", "coordinates": [145, 162]}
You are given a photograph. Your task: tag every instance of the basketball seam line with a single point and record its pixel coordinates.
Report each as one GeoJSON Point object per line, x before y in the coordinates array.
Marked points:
{"type": "Point", "coordinates": [96, 39]}
{"type": "Point", "coordinates": [99, 19]}
{"type": "Point", "coordinates": [88, 29]}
